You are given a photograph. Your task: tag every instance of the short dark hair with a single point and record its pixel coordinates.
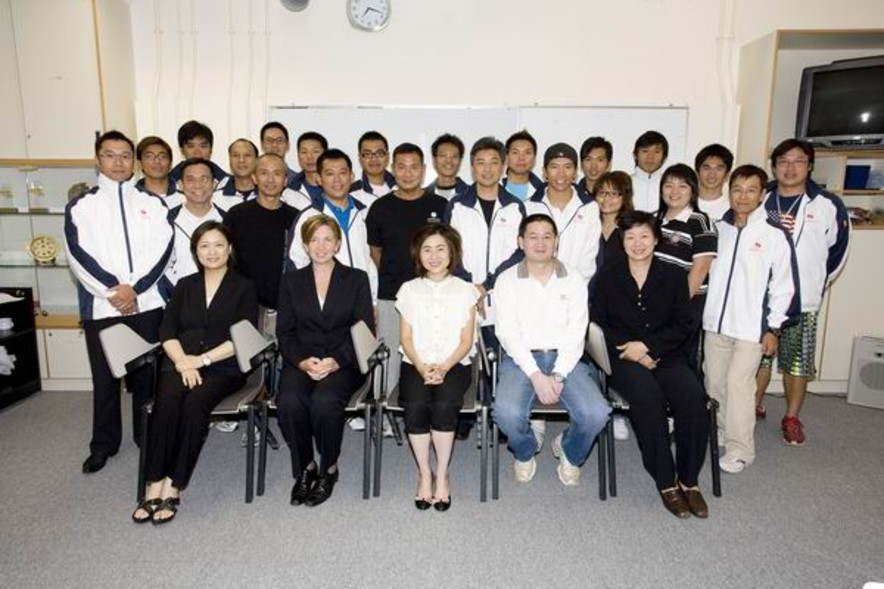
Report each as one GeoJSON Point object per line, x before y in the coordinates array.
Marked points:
{"type": "Point", "coordinates": [449, 139]}
{"type": "Point", "coordinates": [714, 150]}
{"type": "Point", "coordinates": [446, 232]}
{"type": "Point", "coordinates": [332, 154]}
{"type": "Point", "coordinates": [192, 130]}
{"type": "Point", "coordinates": [649, 138]}
{"type": "Point", "coordinates": [205, 228]}
{"type": "Point", "coordinates": [112, 135]}
{"type": "Point", "coordinates": [749, 171]}
{"type": "Point", "coordinates": [312, 136]}
{"type": "Point", "coordinates": [488, 144]}
{"type": "Point", "coordinates": [372, 136]}
{"type": "Point", "coordinates": [596, 143]}
{"type": "Point", "coordinates": [622, 183]}
{"type": "Point", "coordinates": [682, 172]}
{"type": "Point", "coordinates": [789, 145]}
{"type": "Point", "coordinates": [406, 148]}
{"type": "Point", "coordinates": [537, 218]}
{"type": "Point", "coordinates": [150, 141]}
{"type": "Point", "coordinates": [244, 140]}
{"type": "Point", "coordinates": [636, 219]}
{"type": "Point", "coordinates": [194, 161]}
{"type": "Point", "coordinates": [522, 135]}
{"type": "Point", "coordinates": [274, 125]}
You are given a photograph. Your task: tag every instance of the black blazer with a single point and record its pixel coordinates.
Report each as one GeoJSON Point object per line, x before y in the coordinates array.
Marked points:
{"type": "Point", "coordinates": [303, 329]}
{"type": "Point", "coordinates": [659, 315]}
{"type": "Point", "coordinates": [199, 329]}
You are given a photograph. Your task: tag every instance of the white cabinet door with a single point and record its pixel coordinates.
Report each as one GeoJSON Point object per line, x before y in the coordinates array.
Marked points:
{"type": "Point", "coordinates": [66, 354]}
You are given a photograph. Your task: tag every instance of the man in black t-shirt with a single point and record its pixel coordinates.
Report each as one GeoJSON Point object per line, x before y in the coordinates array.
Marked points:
{"type": "Point", "coordinates": [260, 228]}
{"type": "Point", "coordinates": [392, 221]}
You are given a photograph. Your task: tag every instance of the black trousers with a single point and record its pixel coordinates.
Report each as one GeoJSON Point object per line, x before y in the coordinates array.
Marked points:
{"type": "Point", "coordinates": [309, 410]}
{"type": "Point", "coordinates": [107, 426]}
{"type": "Point", "coordinates": [180, 424]}
{"type": "Point", "coordinates": [432, 407]}
{"type": "Point", "coordinates": [672, 385]}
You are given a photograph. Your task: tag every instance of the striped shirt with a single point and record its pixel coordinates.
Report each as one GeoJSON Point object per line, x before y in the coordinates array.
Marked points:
{"type": "Point", "coordinates": [686, 236]}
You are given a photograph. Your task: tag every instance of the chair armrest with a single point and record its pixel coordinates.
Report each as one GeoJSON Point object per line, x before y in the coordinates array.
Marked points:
{"type": "Point", "coordinates": [251, 347]}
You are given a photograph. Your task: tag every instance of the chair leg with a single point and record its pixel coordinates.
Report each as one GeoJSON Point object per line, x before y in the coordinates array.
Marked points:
{"type": "Point", "coordinates": [397, 432]}
{"type": "Point", "coordinates": [602, 452]}
{"type": "Point", "coordinates": [250, 454]}
{"type": "Point", "coordinates": [495, 463]}
{"type": "Point", "coordinates": [713, 448]}
{"type": "Point", "coordinates": [366, 453]}
{"type": "Point", "coordinates": [483, 455]}
{"type": "Point", "coordinates": [379, 447]}
{"type": "Point", "coordinates": [142, 452]}
{"type": "Point", "coordinates": [262, 448]}
{"type": "Point", "coordinates": [612, 463]}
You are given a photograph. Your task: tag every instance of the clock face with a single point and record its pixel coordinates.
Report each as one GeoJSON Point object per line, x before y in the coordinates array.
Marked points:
{"type": "Point", "coordinates": [369, 15]}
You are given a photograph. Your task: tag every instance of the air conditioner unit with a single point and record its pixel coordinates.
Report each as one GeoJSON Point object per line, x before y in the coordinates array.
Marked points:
{"type": "Point", "coordinates": [866, 384]}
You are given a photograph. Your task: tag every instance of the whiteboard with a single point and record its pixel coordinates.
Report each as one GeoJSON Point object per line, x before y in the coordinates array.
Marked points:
{"type": "Point", "coordinates": [343, 125]}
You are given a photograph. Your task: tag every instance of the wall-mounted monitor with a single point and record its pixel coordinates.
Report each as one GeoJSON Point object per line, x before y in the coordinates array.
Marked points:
{"type": "Point", "coordinates": [842, 104]}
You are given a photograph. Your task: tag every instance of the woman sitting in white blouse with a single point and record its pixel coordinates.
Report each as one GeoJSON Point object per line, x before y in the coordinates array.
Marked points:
{"type": "Point", "coordinates": [438, 315]}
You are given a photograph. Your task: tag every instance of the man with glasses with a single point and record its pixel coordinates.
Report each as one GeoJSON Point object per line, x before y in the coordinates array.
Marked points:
{"type": "Point", "coordinates": [118, 244]}
{"type": "Point", "coordinates": [447, 153]}
{"type": "Point", "coordinates": [374, 157]}
{"type": "Point", "coordinates": [820, 228]}
{"type": "Point", "coordinates": [155, 157]}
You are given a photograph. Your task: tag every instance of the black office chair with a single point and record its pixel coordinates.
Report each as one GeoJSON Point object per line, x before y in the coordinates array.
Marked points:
{"type": "Point", "coordinates": [370, 356]}
{"type": "Point", "coordinates": [598, 351]}
{"type": "Point", "coordinates": [126, 351]}
{"type": "Point", "coordinates": [555, 411]}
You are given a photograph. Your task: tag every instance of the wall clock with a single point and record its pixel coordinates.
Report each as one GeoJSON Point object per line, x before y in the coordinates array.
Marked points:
{"type": "Point", "coordinates": [368, 15]}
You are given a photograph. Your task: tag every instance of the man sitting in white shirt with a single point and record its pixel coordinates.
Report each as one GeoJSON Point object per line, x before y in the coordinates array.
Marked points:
{"type": "Point", "coordinates": [542, 318]}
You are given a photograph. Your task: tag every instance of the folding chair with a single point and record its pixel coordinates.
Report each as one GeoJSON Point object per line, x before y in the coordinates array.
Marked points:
{"type": "Point", "coordinates": [491, 360]}
{"type": "Point", "coordinates": [473, 404]}
{"type": "Point", "coordinates": [598, 351]}
{"type": "Point", "coordinates": [370, 356]}
{"type": "Point", "coordinates": [126, 351]}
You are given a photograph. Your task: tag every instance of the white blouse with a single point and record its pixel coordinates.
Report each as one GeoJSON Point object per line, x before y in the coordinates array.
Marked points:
{"type": "Point", "coordinates": [437, 312]}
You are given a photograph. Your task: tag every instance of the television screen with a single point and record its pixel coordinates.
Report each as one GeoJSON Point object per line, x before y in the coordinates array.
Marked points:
{"type": "Point", "coordinates": [847, 102]}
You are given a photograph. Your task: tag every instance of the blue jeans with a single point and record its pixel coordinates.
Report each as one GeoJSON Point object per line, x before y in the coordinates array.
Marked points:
{"type": "Point", "coordinates": [587, 409]}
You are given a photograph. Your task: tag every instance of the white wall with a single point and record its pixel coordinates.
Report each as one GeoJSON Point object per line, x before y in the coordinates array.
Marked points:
{"type": "Point", "coordinates": [227, 61]}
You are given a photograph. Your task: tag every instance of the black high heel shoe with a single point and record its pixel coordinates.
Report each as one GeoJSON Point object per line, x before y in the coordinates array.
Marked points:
{"type": "Point", "coordinates": [442, 505]}
{"type": "Point", "coordinates": [422, 504]}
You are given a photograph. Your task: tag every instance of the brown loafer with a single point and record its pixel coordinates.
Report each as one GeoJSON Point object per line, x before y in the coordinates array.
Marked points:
{"type": "Point", "coordinates": [676, 503]}
{"type": "Point", "coordinates": [696, 503]}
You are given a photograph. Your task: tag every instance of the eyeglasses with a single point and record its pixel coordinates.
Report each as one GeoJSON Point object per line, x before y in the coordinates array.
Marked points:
{"type": "Point", "coordinates": [374, 155]}
{"type": "Point", "coordinates": [115, 157]}
{"type": "Point", "coordinates": [155, 157]}
{"type": "Point", "coordinates": [276, 140]}
{"type": "Point", "coordinates": [608, 194]}
{"type": "Point", "coordinates": [792, 163]}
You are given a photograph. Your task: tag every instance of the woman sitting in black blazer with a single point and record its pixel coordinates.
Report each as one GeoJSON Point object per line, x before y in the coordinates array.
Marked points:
{"type": "Point", "coordinates": [199, 370]}
{"type": "Point", "coordinates": [644, 308]}
{"type": "Point", "coordinates": [317, 306]}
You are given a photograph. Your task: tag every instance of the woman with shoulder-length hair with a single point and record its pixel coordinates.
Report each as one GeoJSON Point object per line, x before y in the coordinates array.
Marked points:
{"type": "Point", "coordinates": [437, 333]}
{"type": "Point", "coordinates": [199, 370]}
{"type": "Point", "coordinates": [318, 304]}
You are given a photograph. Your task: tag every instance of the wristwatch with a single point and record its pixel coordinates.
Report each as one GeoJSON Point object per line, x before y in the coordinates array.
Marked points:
{"type": "Point", "coordinates": [558, 377]}
{"type": "Point", "coordinates": [206, 361]}
{"type": "Point", "coordinates": [775, 331]}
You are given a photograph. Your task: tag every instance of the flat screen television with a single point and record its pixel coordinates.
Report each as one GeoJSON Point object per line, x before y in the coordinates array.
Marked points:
{"type": "Point", "coordinates": [842, 104]}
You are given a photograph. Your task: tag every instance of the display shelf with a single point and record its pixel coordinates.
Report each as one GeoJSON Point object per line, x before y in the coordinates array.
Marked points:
{"type": "Point", "coordinates": [19, 342]}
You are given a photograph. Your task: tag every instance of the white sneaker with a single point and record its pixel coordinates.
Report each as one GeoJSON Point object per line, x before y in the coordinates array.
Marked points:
{"type": "Point", "coordinates": [524, 470]}
{"type": "Point", "coordinates": [621, 432]}
{"type": "Point", "coordinates": [388, 429]}
{"type": "Point", "coordinates": [245, 438]}
{"type": "Point", "coordinates": [226, 426]}
{"type": "Point", "coordinates": [568, 473]}
{"type": "Point", "coordinates": [538, 428]}
{"type": "Point", "coordinates": [357, 424]}
{"type": "Point", "coordinates": [732, 465]}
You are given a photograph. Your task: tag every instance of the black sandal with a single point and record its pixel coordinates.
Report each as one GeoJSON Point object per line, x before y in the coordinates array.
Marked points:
{"type": "Point", "coordinates": [149, 506]}
{"type": "Point", "coordinates": [169, 504]}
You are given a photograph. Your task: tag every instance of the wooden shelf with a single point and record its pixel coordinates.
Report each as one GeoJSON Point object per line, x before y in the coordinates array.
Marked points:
{"type": "Point", "coordinates": [867, 192]}
{"type": "Point", "coordinates": [58, 321]}
{"type": "Point", "coordinates": [47, 163]}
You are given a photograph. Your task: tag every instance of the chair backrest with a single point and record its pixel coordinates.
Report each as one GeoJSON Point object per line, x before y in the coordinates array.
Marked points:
{"type": "Point", "coordinates": [365, 344]}
{"type": "Point", "coordinates": [597, 348]}
{"type": "Point", "coordinates": [248, 342]}
{"type": "Point", "coordinates": [121, 345]}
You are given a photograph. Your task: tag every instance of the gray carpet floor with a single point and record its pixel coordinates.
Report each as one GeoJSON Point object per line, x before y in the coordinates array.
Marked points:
{"type": "Point", "coordinates": [799, 517]}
